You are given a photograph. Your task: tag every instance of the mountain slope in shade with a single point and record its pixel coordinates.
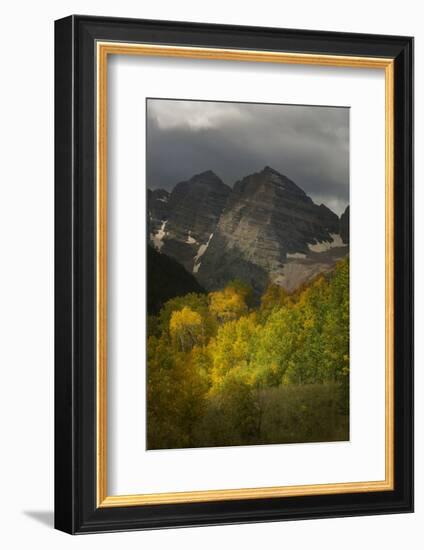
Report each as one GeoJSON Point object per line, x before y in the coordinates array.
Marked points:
{"type": "Point", "coordinates": [344, 225]}
{"type": "Point", "coordinates": [271, 230]}
{"type": "Point", "coordinates": [193, 208]}
{"type": "Point", "coordinates": [329, 219]}
{"type": "Point", "coordinates": [264, 229]}
{"type": "Point", "coordinates": [158, 206]}
{"type": "Point", "coordinates": [166, 278]}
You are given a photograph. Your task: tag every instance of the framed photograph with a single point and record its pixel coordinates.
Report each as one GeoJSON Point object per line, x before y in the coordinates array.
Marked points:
{"type": "Point", "coordinates": [234, 270]}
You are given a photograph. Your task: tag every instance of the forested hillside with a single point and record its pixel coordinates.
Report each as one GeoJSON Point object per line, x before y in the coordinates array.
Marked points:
{"type": "Point", "coordinates": [166, 278]}
{"type": "Point", "coordinates": [224, 371]}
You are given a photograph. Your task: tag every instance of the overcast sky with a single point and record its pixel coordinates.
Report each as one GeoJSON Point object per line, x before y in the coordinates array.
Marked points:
{"type": "Point", "coordinates": [310, 145]}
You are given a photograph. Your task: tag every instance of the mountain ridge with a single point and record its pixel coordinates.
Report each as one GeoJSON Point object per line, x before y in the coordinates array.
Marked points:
{"type": "Point", "coordinates": [265, 228]}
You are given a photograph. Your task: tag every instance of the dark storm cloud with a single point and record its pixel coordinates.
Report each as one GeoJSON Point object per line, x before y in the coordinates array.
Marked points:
{"type": "Point", "coordinates": [310, 145]}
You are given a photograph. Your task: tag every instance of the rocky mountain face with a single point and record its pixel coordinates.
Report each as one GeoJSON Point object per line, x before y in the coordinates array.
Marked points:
{"type": "Point", "coordinates": [344, 226]}
{"type": "Point", "coordinates": [157, 201]}
{"type": "Point", "coordinates": [264, 229]}
{"type": "Point", "coordinates": [184, 227]}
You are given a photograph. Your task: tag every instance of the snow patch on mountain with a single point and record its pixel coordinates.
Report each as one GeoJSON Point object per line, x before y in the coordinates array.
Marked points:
{"type": "Point", "coordinates": [157, 238]}
{"type": "Point", "coordinates": [324, 246]}
{"type": "Point", "coordinates": [190, 239]}
{"type": "Point", "coordinates": [200, 252]}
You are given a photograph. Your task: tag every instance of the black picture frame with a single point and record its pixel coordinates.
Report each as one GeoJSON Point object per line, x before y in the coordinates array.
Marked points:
{"type": "Point", "coordinates": [76, 508]}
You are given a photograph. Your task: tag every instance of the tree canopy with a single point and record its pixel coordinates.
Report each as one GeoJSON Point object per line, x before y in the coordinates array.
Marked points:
{"type": "Point", "coordinates": [216, 362]}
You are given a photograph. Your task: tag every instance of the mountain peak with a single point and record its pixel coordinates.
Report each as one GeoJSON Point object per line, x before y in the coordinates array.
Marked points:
{"type": "Point", "coordinates": [279, 180]}
{"type": "Point", "coordinates": [344, 225]}
{"type": "Point", "coordinates": [207, 174]}
{"type": "Point", "coordinates": [275, 176]}
{"type": "Point", "coordinates": [268, 169]}
{"type": "Point", "coordinates": [324, 208]}
{"type": "Point", "coordinates": [207, 178]}
{"type": "Point", "coordinates": [264, 228]}
{"type": "Point", "coordinates": [269, 178]}
{"type": "Point", "coordinates": [204, 180]}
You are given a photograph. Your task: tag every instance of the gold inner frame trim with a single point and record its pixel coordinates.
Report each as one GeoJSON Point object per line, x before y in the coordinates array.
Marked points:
{"type": "Point", "coordinates": [104, 49]}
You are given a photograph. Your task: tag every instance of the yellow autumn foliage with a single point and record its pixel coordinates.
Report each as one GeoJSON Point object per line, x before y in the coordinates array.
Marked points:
{"type": "Point", "coordinates": [185, 327]}
{"type": "Point", "coordinates": [227, 304]}
{"type": "Point", "coordinates": [215, 360]}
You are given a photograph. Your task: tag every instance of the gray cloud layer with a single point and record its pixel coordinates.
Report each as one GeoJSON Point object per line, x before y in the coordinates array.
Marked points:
{"type": "Point", "coordinates": [310, 145]}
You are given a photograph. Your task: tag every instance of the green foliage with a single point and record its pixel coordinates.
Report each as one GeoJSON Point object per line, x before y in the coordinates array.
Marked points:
{"type": "Point", "coordinates": [176, 389]}
{"type": "Point", "coordinates": [274, 297]}
{"type": "Point", "coordinates": [232, 347]}
{"type": "Point", "coordinates": [285, 414]}
{"type": "Point", "coordinates": [223, 373]}
{"type": "Point", "coordinates": [231, 415]}
{"type": "Point", "coordinates": [197, 303]}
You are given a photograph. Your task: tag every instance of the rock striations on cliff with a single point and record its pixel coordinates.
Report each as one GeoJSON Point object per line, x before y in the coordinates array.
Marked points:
{"type": "Point", "coordinates": [264, 229]}
{"type": "Point", "coordinates": [193, 209]}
